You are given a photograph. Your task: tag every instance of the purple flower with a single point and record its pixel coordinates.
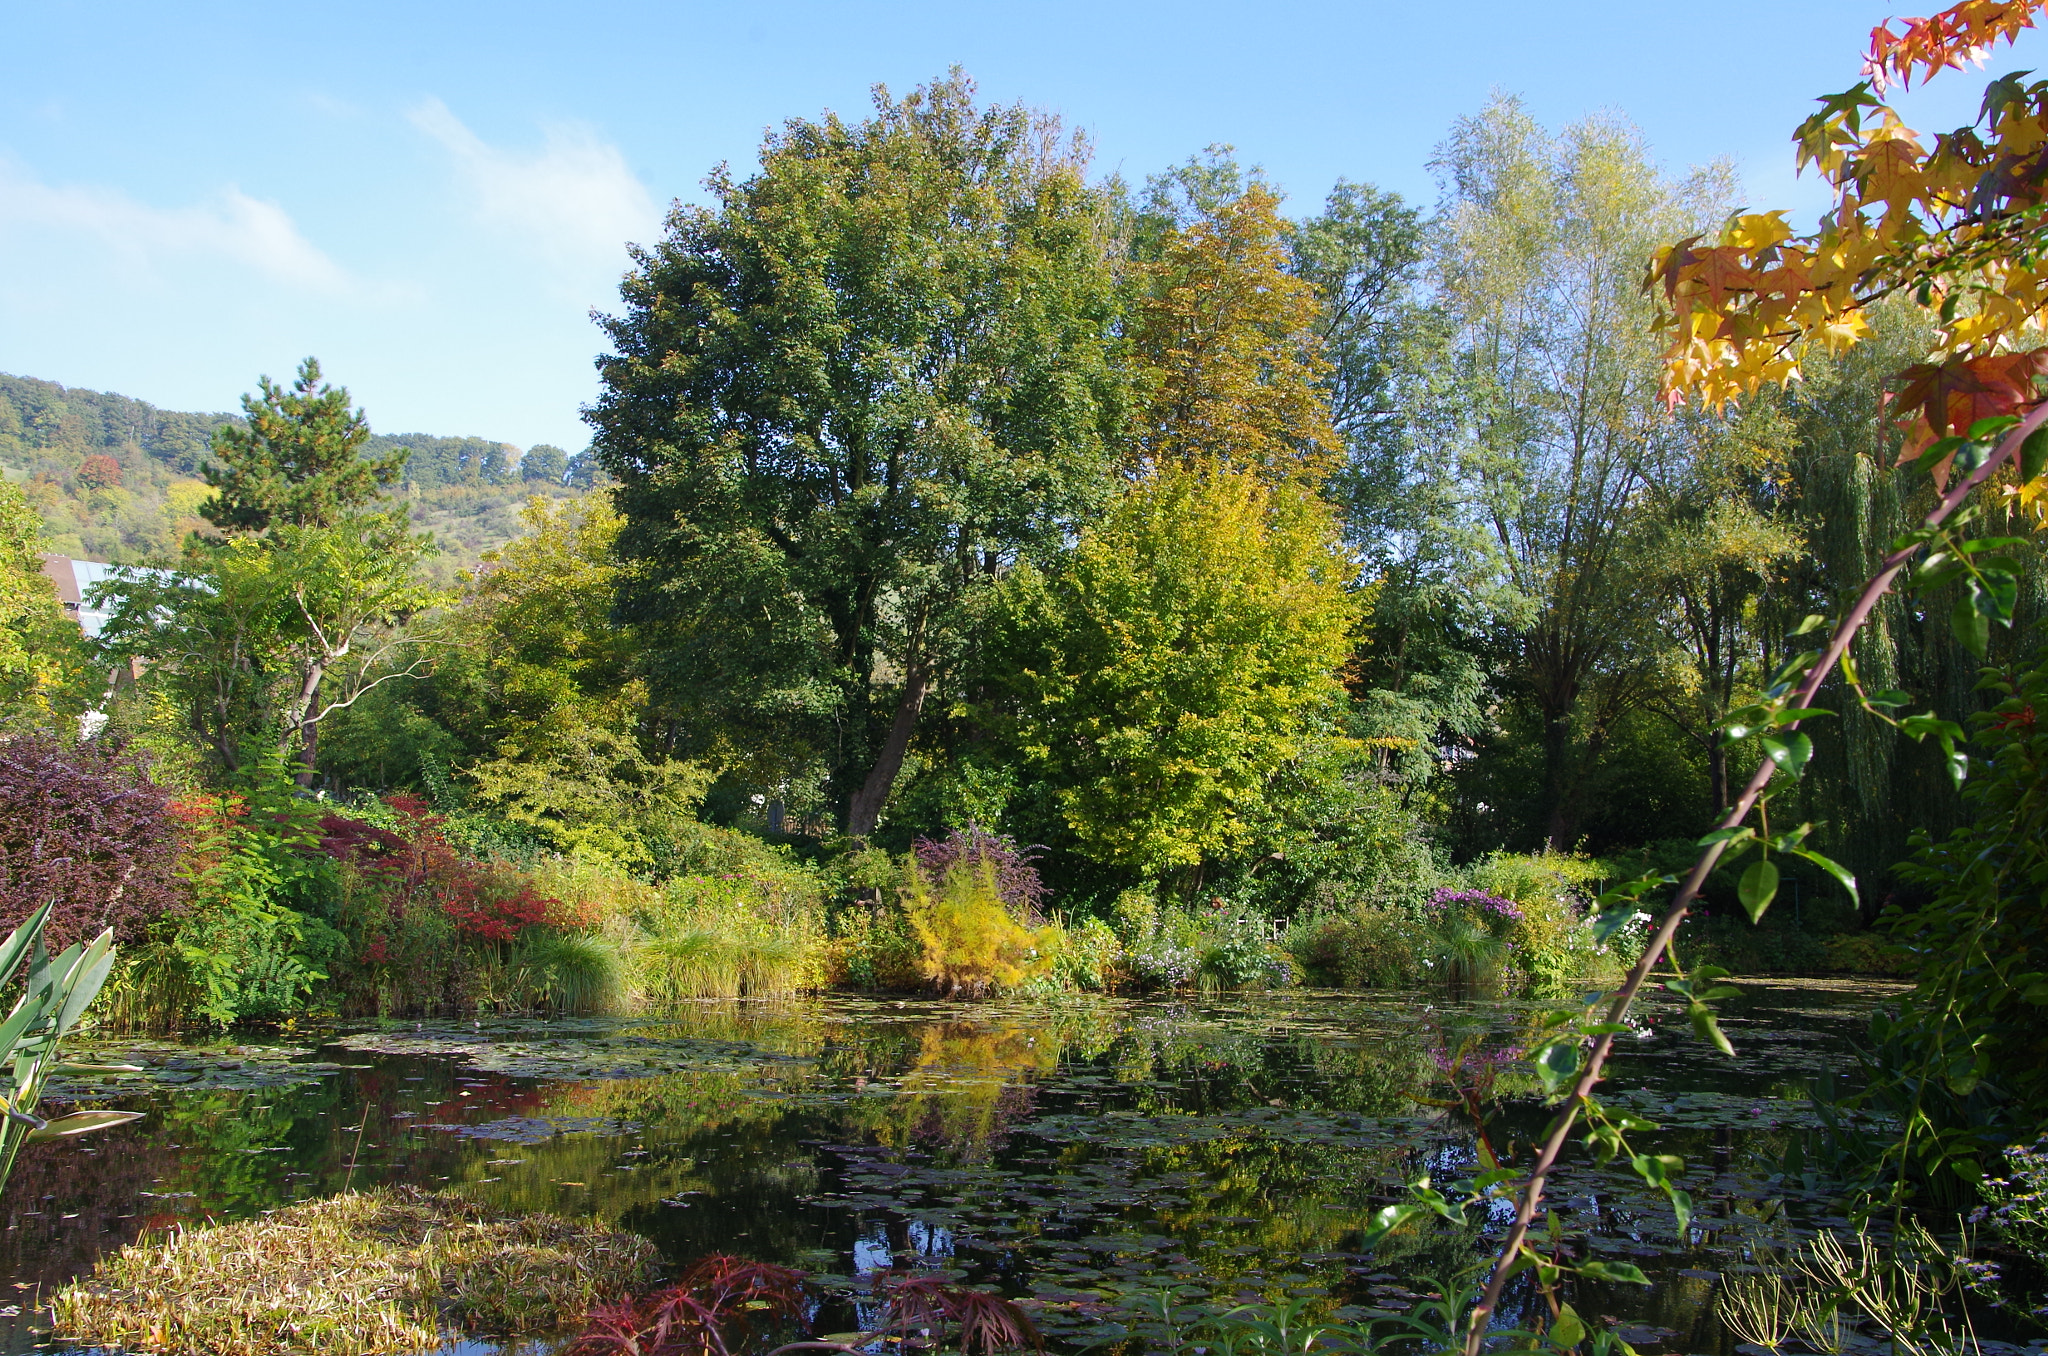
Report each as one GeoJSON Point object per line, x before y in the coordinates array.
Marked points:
{"type": "Point", "coordinates": [1478, 899]}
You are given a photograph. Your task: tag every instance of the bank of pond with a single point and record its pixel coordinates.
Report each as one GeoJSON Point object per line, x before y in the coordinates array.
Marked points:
{"type": "Point", "coordinates": [1117, 1172]}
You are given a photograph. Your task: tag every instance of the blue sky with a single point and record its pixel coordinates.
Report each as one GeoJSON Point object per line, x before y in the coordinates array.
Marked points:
{"type": "Point", "coordinates": [432, 196]}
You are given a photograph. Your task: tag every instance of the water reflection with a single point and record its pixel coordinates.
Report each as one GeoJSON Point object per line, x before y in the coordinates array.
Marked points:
{"type": "Point", "coordinates": [1083, 1157]}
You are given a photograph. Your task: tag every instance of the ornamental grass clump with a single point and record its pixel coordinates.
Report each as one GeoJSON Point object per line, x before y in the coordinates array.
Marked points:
{"type": "Point", "coordinates": [392, 1270]}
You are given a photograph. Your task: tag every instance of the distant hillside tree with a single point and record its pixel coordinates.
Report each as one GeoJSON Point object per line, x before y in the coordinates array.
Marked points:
{"type": "Point", "coordinates": [297, 460]}
{"type": "Point", "coordinates": [545, 463]}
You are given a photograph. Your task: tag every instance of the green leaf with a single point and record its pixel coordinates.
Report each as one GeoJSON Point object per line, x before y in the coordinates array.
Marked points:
{"type": "Point", "coordinates": [1606, 924]}
{"type": "Point", "coordinates": [1568, 1331]}
{"type": "Point", "coordinates": [1725, 836]}
{"type": "Point", "coordinates": [2034, 454]}
{"type": "Point", "coordinates": [1834, 868]}
{"type": "Point", "coordinates": [83, 1123]}
{"type": "Point", "coordinates": [1971, 623]}
{"type": "Point", "coordinates": [1791, 754]}
{"type": "Point", "coordinates": [1681, 1205]}
{"type": "Point", "coordinates": [1758, 887]}
{"type": "Point", "coordinates": [1813, 621]}
{"type": "Point", "coordinates": [1621, 1273]}
{"type": "Point", "coordinates": [1385, 1221]}
{"type": "Point", "coordinates": [1709, 1030]}
{"type": "Point", "coordinates": [1557, 1064]}
{"type": "Point", "coordinates": [18, 942]}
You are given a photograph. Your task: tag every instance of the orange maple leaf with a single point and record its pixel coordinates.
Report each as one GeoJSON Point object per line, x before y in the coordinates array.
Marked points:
{"type": "Point", "coordinates": [1963, 32]}
{"type": "Point", "coordinates": [1939, 398]}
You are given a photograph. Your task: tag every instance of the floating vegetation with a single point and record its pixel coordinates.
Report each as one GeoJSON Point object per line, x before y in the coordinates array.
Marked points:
{"type": "Point", "coordinates": [192, 1067]}
{"type": "Point", "coordinates": [391, 1270]}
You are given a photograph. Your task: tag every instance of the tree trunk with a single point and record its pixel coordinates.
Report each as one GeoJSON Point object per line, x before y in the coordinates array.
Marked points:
{"type": "Point", "coordinates": [864, 811]}
{"type": "Point", "coordinates": [297, 724]}
{"type": "Point", "coordinates": [1717, 775]}
{"type": "Point", "coordinates": [1560, 827]}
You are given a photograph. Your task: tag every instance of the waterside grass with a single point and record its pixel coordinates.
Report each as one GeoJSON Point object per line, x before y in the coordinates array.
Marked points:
{"type": "Point", "coordinates": [391, 1270]}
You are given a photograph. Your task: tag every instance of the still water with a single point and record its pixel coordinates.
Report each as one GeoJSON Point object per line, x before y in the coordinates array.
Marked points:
{"type": "Point", "coordinates": [1082, 1156]}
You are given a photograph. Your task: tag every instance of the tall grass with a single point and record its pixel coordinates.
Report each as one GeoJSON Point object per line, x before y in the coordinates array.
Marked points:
{"type": "Point", "coordinates": [751, 932]}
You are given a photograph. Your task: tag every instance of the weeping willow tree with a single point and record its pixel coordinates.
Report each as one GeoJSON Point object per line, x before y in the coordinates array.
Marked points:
{"type": "Point", "coordinates": [1851, 500]}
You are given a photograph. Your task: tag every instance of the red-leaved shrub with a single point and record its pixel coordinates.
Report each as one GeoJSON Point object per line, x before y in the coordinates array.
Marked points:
{"type": "Point", "coordinates": [85, 826]}
{"type": "Point", "coordinates": [728, 1306]}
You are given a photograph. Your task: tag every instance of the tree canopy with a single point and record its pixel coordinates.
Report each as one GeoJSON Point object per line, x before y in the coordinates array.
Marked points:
{"type": "Point", "coordinates": [841, 401]}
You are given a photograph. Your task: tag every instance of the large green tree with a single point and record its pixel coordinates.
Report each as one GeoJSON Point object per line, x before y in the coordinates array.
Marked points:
{"type": "Point", "coordinates": [1539, 264]}
{"type": "Point", "coordinates": [842, 400]}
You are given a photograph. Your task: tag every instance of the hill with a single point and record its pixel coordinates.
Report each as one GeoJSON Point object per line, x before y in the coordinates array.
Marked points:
{"type": "Point", "coordinates": [117, 479]}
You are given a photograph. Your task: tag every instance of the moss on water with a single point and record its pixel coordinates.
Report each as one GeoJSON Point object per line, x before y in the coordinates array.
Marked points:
{"type": "Point", "coordinates": [392, 1270]}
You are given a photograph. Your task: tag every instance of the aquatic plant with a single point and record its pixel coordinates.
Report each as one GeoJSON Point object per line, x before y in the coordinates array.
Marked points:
{"type": "Point", "coordinates": [569, 972]}
{"type": "Point", "coordinates": [363, 1272]}
{"type": "Point", "coordinates": [719, 960]}
{"type": "Point", "coordinates": [720, 1305]}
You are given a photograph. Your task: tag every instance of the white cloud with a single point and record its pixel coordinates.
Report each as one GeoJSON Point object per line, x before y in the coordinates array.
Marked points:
{"type": "Point", "coordinates": [574, 200]}
{"type": "Point", "coordinates": [236, 227]}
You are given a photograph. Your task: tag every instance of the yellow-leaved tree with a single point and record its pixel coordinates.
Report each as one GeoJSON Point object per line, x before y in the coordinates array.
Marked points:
{"type": "Point", "coordinates": [1228, 360]}
{"type": "Point", "coordinates": [1167, 669]}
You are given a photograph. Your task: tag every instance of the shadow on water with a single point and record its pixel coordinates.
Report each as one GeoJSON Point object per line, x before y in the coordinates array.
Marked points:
{"type": "Point", "coordinates": [1081, 1156]}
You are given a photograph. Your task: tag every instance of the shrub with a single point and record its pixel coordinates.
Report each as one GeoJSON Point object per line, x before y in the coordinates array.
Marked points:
{"type": "Point", "coordinates": [1370, 948]}
{"type": "Point", "coordinates": [1242, 958]}
{"type": "Point", "coordinates": [1016, 879]}
{"type": "Point", "coordinates": [971, 942]}
{"type": "Point", "coordinates": [83, 825]}
{"type": "Point", "coordinates": [873, 947]}
{"type": "Point", "coordinates": [1088, 957]}
{"type": "Point", "coordinates": [434, 929]}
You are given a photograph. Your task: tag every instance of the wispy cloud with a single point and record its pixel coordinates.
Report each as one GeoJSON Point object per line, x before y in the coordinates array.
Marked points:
{"type": "Point", "coordinates": [574, 201]}
{"type": "Point", "coordinates": [233, 226]}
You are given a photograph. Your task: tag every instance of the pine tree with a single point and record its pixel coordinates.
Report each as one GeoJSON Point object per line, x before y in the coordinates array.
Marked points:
{"type": "Point", "coordinates": [297, 461]}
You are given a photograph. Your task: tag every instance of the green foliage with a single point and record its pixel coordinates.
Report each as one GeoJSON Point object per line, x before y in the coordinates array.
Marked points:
{"type": "Point", "coordinates": [1964, 1061]}
{"type": "Point", "coordinates": [1372, 947]}
{"type": "Point", "coordinates": [842, 400]}
{"type": "Point", "coordinates": [38, 645]}
{"type": "Point", "coordinates": [56, 992]}
{"type": "Point", "coordinates": [1176, 662]}
{"type": "Point", "coordinates": [235, 948]}
{"type": "Point", "coordinates": [295, 460]}
{"type": "Point", "coordinates": [258, 639]}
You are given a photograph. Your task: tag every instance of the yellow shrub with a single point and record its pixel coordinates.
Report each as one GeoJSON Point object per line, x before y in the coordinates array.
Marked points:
{"type": "Point", "coordinates": [971, 942]}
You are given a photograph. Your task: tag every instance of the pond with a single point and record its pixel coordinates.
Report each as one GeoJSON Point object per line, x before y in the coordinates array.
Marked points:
{"type": "Point", "coordinates": [1084, 1156]}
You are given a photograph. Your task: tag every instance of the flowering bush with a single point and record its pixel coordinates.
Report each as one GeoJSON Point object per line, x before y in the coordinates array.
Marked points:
{"type": "Point", "coordinates": [434, 928]}
{"type": "Point", "coordinates": [1492, 907]}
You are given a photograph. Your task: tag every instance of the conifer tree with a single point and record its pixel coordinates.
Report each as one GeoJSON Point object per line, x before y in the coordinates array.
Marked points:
{"type": "Point", "coordinates": [297, 462]}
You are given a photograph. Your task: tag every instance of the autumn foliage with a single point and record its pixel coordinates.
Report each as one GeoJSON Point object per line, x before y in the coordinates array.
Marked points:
{"type": "Point", "coordinates": [1949, 221]}
{"type": "Point", "coordinates": [420, 869]}
{"type": "Point", "coordinates": [725, 1306]}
